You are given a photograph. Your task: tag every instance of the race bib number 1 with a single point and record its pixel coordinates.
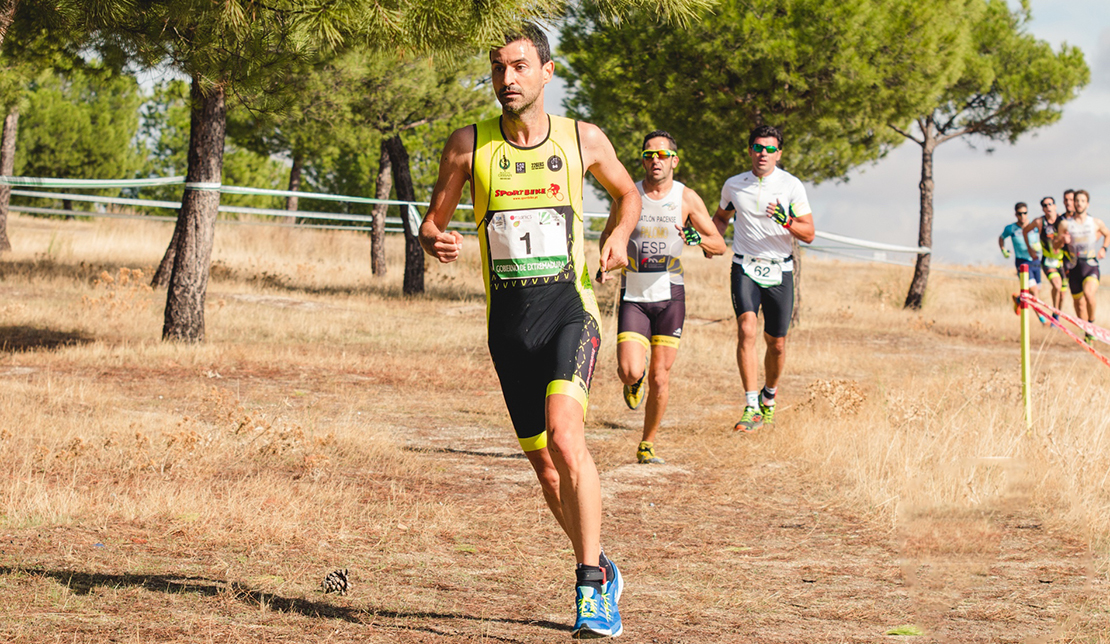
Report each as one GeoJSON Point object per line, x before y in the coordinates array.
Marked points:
{"type": "Point", "coordinates": [765, 272]}
{"type": "Point", "coordinates": [528, 243]}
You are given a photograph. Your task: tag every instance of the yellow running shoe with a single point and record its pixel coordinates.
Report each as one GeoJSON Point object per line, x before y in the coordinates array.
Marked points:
{"type": "Point", "coordinates": [645, 453]}
{"type": "Point", "coordinates": [634, 393]}
{"type": "Point", "coordinates": [768, 413]}
{"type": "Point", "coordinates": [750, 421]}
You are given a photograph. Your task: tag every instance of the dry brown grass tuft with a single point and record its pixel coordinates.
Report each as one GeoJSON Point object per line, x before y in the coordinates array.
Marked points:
{"type": "Point", "coordinates": [159, 492]}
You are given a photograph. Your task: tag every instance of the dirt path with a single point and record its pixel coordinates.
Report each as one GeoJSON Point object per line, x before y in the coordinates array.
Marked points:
{"type": "Point", "coordinates": [725, 543]}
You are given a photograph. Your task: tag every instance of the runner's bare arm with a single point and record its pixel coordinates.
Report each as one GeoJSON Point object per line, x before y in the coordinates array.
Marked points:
{"type": "Point", "coordinates": [800, 227]}
{"type": "Point", "coordinates": [599, 158]}
{"type": "Point", "coordinates": [697, 215]}
{"type": "Point", "coordinates": [721, 219]}
{"type": "Point", "coordinates": [1025, 235]}
{"type": "Point", "coordinates": [454, 172]}
{"type": "Point", "coordinates": [1100, 226]}
{"type": "Point", "coordinates": [1063, 237]}
{"type": "Point", "coordinates": [611, 223]}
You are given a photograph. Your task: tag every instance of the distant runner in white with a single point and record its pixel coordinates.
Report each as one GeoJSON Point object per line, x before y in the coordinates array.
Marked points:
{"type": "Point", "coordinates": [771, 210]}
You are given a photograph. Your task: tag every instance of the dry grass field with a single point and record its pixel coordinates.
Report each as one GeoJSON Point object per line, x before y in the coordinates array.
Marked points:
{"type": "Point", "coordinates": [154, 492]}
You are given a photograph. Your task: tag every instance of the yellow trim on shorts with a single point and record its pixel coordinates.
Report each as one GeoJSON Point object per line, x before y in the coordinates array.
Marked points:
{"type": "Point", "coordinates": [1089, 277]}
{"type": "Point", "coordinates": [535, 443]}
{"type": "Point", "coordinates": [1076, 296]}
{"type": "Point", "coordinates": [576, 389]}
{"type": "Point", "coordinates": [632, 336]}
{"type": "Point", "coordinates": [664, 341]}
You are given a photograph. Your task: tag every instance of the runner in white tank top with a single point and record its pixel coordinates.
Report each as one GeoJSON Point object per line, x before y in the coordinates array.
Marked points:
{"type": "Point", "coordinates": [1081, 233]}
{"type": "Point", "coordinates": [653, 296]}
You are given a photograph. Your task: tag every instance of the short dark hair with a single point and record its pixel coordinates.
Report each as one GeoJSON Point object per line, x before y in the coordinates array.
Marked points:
{"type": "Point", "coordinates": [1069, 191]}
{"type": "Point", "coordinates": [1019, 205]}
{"type": "Point", "coordinates": [660, 133]}
{"type": "Point", "coordinates": [1084, 193]}
{"type": "Point", "coordinates": [764, 131]}
{"type": "Point", "coordinates": [1048, 199]}
{"type": "Point", "coordinates": [533, 34]}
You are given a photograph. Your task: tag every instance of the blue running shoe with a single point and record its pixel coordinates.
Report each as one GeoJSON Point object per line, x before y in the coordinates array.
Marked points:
{"type": "Point", "coordinates": [613, 589]}
{"type": "Point", "coordinates": [597, 616]}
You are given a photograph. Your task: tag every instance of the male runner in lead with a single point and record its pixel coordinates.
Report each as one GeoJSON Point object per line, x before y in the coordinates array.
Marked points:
{"type": "Point", "coordinates": [771, 210]}
{"type": "Point", "coordinates": [1052, 259]}
{"type": "Point", "coordinates": [1080, 233]}
{"type": "Point", "coordinates": [653, 296]}
{"type": "Point", "coordinates": [525, 170]}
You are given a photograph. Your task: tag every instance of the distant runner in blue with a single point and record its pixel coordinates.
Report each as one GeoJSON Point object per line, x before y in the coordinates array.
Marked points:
{"type": "Point", "coordinates": [1013, 232]}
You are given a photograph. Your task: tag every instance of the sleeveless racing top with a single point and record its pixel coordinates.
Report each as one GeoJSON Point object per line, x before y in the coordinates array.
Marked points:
{"type": "Point", "coordinates": [655, 248]}
{"type": "Point", "coordinates": [1083, 236]}
{"type": "Point", "coordinates": [1051, 257]}
{"type": "Point", "coordinates": [528, 209]}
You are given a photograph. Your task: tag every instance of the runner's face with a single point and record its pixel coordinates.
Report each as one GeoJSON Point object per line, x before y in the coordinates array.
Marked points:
{"type": "Point", "coordinates": [657, 169]}
{"type": "Point", "coordinates": [764, 162]}
{"type": "Point", "coordinates": [1049, 209]}
{"type": "Point", "coordinates": [1069, 202]}
{"type": "Point", "coordinates": [518, 75]}
{"type": "Point", "coordinates": [1080, 204]}
{"type": "Point", "coordinates": [1022, 215]}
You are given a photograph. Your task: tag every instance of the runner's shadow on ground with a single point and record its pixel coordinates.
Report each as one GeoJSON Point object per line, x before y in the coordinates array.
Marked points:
{"type": "Point", "coordinates": [15, 339]}
{"type": "Point", "coordinates": [465, 452]}
{"type": "Point", "coordinates": [84, 583]}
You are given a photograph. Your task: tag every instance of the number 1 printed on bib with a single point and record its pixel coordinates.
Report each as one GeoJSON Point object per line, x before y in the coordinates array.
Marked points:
{"type": "Point", "coordinates": [528, 243]}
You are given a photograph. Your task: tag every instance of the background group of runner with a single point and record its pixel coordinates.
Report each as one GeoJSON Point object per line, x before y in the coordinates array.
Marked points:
{"type": "Point", "coordinates": [1060, 247]}
{"type": "Point", "coordinates": [525, 170]}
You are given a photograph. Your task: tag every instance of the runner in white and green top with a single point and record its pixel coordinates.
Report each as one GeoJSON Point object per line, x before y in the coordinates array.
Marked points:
{"type": "Point", "coordinates": [769, 210]}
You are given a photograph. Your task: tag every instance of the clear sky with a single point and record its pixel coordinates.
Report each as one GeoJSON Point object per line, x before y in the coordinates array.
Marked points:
{"type": "Point", "coordinates": [975, 191]}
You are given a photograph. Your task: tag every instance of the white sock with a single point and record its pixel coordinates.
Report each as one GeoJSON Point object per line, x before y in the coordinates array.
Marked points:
{"type": "Point", "coordinates": [769, 402]}
{"type": "Point", "coordinates": [752, 398]}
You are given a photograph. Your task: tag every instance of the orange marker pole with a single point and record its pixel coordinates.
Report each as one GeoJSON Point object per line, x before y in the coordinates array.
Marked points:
{"type": "Point", "coordinates": [1026, 388]}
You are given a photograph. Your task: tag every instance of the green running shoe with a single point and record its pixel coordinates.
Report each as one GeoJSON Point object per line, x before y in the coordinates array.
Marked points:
{"type": "Point", "coordinates": [750, 421]}
{"type": "Point", "coordinates": [1089, 339]}
{"type": "Point", "coordinates": [768, 413]}
{"type": "Point", "coordinates": [634, 393]}
{"type": "Point", "coordinates": [645, 453]}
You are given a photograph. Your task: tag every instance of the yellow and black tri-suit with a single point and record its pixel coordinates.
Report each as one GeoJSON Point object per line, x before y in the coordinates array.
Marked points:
{"type": "Point", "coordinates": [540, 306]}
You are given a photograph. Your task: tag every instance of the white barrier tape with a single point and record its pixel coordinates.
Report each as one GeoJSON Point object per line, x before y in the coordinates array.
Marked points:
{"type": "Point", "coordinates": [48, 182]}
{"type": "Point", "coordinates": [202, 185]}
{"type": "Point", "coordinates": [823, 249]}
{"type": "Point", "coordinates": [863, 243]}
{"type": "Point", "coordinates": [120, 201]}
{"type": "Point", "coordinates": [394, 227]}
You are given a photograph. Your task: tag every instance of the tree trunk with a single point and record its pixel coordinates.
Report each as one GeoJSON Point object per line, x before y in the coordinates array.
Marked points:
{"type": "Point", "coordinates": [67, 204]}
{"type": "Point", "coordinates": [414, 254]}
{"type": "Point", "coordinates": [377, 235]}
{"type": "Point", "coordinates": [196, 223]}
{"type": "Point", "coordinates": [796, 315]}
{"type": "Point", "coordinates": [7, 168]}
{"type": "Point", "coordinates": [291, 202]}
{"type": "Point", "coordinates": [7, 14]}
{"type": "Point", "coordinates": [162, 275]}
{"type": "Point", "coordinates": [925, 230]}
